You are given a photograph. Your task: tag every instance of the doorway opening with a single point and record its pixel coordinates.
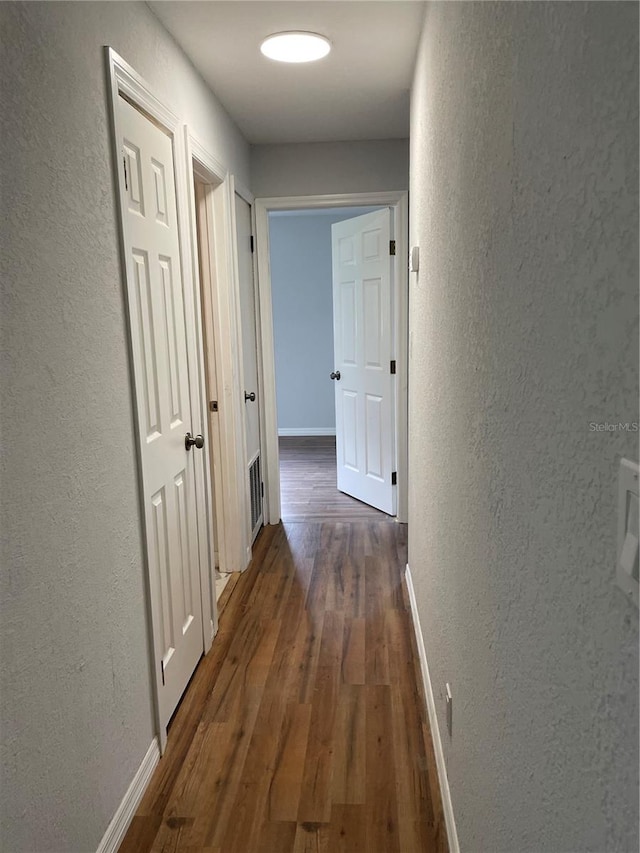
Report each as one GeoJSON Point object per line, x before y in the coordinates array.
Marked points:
{"type": "Point", "coordinates": [211, 211]}
{"type": "Point", "coordinates": [303, 325]}
{"type": "Point", "coordinates": [304, 385]}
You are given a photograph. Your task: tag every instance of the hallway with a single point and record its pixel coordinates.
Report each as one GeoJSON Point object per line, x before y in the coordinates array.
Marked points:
{"type": "Point", "coordinates": [304, 728]}
{"type": "Point", "coordinates": [505, 137]}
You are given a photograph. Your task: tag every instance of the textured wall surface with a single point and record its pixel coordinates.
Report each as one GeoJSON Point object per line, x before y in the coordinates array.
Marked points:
{"type": "Point", "coordinates": [524, 330]}
{"type": "Point", "coordinates": [302, 296]}
{"type": "Point", "coordinates": [75, 696]}
{"type": "Point", "coordinates": [323, 168]}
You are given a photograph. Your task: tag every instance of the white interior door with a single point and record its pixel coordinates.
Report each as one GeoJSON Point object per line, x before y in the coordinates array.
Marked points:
{"type": "Point", "coordinates": [364, 384]}
{"type": "Point", "coordinates": [250, 361]}
{"type": "Point", "coordinates": [160, 357]}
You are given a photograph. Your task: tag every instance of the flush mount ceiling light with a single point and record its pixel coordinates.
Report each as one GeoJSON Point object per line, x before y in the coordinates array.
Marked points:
{"type": "Point", "coordinates": [295, 47]}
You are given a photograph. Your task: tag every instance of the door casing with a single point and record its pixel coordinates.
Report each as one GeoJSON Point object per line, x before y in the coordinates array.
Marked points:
{"type": "Point", "coordinates": [220, 321]}
{"type": "Point", "coordinates": [398, 201]}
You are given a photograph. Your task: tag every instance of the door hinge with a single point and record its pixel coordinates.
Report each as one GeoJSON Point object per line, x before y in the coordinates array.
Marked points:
{"type": "Point", "coordinates": [251, 244]}
{"type": "Point", "coordinates": [126, 181]}
{"type": "Point", "coordinates": [162, 670]}
{"type": "Point", "coordinates": [392, 247]}
{"type": "Point", "coordinates": [213, 405]}
{"type": "Point", "coordinates": [394, 478]}
{"type": "Point", "coordinates": [262, 489]}
{"type": "Point", "coordinates": [393, 367]}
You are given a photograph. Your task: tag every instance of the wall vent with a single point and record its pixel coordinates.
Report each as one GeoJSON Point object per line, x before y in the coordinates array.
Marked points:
{"type": "Point", "coordinates": [255, 487]}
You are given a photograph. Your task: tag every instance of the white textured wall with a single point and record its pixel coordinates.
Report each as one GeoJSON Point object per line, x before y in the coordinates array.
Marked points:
{"type": "Point", "coordinates": [323, 168]}
{"type": "Point", "coordinates": [523, 331]}
{"type": "Point", "coordinates": [75, 696]}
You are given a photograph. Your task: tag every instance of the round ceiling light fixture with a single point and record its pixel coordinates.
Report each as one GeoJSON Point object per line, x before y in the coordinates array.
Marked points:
{"type": "Point", "coordinates": [295, 47]}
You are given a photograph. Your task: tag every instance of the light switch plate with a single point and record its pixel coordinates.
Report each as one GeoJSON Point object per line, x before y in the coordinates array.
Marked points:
{"type": "Point", "coordinates": [628, 524]}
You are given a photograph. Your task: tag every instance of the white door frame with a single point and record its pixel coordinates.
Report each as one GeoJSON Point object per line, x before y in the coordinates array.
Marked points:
{"type": "Point", "coordinates": [234, 551]}
{"type": "Point", "coordinates": [399, 202]}
{"type": "Point", "coordinates": [123, 80]}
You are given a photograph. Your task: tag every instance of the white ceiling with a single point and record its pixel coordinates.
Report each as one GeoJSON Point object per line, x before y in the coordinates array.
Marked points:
{"type": "Point", "coordinates": [360, 91]}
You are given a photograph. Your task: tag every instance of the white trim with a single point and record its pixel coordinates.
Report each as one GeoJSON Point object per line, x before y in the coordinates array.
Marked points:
{"type": "Point", "coordinates": [214, 170]}
{"type": "Point", "coordinates": [300, 202]}
{"type": "Point", "coordinates": [270, 451]}
{"type": "Point", "coordinates": [117, 829]}
{"type": "Point", "coordinates": [447, 806]}
{"type": "Point", "coordinates": [401, 345]}
{"type": "Point", "coordinates": [125, 79]}
{"type": "Point", "coordinates": [197, 386]}
{"type": "Point", "coordinates": [244, 193]}
{"type": "Point", "coordinates": [306, 430]}
{"type": "Point", "coordinates": [197, 158]}
{"type": "Point", "coordinates": [349, 212]}
{"type": "Point", "coordinates": [231, 503]}
{"type": "Point", "coordinates": [260, 389]}
{"type": "Point", "coordinates": [263, 206]}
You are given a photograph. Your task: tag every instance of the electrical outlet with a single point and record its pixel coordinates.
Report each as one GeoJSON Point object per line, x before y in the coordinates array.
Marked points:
{"type": "Point", "coordinates": [449, 699]}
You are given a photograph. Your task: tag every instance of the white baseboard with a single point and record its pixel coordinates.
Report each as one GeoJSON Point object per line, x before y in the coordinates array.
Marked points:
{"type": "Point", "coordinates": [307, 431]}
{"type": "Point", "coordinates": [112, 839]}
{"type": "Point", "coordinates": [447, 805]}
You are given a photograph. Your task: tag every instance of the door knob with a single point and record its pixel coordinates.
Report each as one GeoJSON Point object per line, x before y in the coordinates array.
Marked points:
{"type": "Point", "coordinates": [251, 396]}
{"type": "Point", "coordinates": [336, 375]}
{"type": "Point", "coordinates": [189, 441]}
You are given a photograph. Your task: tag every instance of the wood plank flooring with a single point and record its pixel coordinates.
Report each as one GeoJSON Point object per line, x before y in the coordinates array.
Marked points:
{"type": "Point", "coordinates": [304, 728]}
{"type": "Point", "coordinates": [308, 483]}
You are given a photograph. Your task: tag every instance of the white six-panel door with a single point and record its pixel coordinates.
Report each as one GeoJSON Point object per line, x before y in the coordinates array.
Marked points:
{"type": "Point", "coordinates": [159, 346]}
{"type": "Point", "coordinates": [249, 361]}
{"type": "Point", "coordinates": [363, 324]}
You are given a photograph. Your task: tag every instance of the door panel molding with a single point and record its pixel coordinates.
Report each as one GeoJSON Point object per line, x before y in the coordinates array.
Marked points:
{"type": "Point", "coordinates": [399, 202]}
{"type": "Point", "coordinates": [363, 340]}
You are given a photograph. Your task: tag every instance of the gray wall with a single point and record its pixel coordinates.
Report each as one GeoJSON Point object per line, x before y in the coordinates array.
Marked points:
{"type": "Point", "coordinates": [321, 168]}
{"type": "Point", "coordinates": [75, 695]}
{"type": "Point", "coordinates": [302, 297]}
{"type": "Point", "coordinates": [523, 327]}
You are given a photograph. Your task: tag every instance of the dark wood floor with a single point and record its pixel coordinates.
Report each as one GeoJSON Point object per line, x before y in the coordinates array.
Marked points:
{"type": "Point", "coordinates": [308, 483]}
{"type": "Point", "coordinates": [304, 727]}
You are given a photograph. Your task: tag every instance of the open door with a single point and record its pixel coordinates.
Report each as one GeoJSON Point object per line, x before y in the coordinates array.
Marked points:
{"type": "Point", "coordinates": [363, 369]}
